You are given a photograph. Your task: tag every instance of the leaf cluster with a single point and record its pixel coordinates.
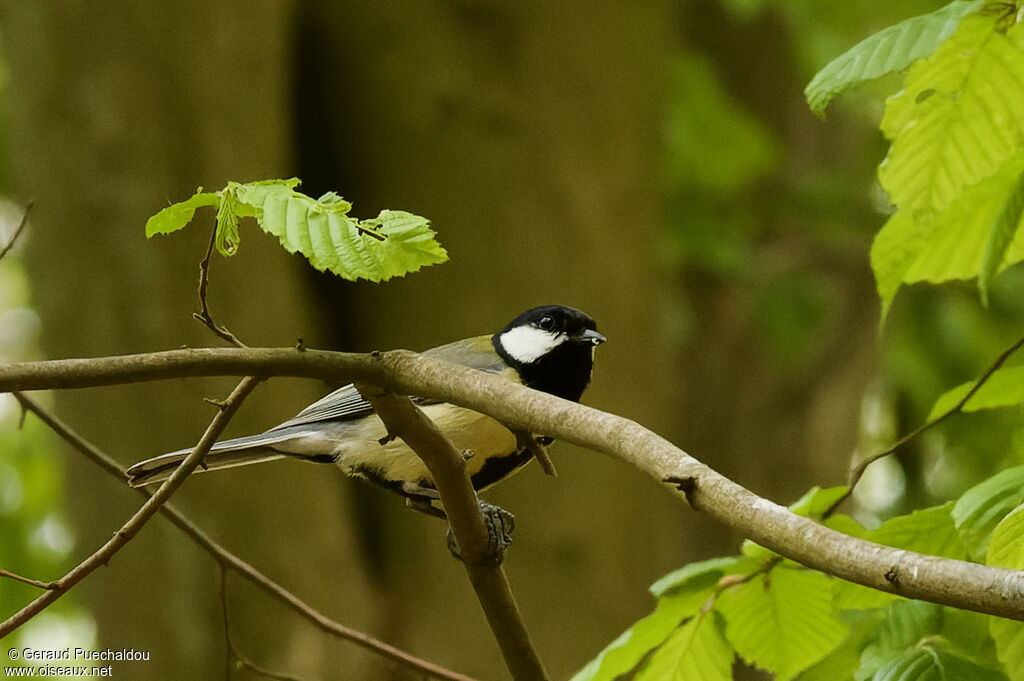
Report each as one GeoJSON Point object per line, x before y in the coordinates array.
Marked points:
{"type": "Point", "coordinates": [392, 244]}
{"type": "Point", "coordinates": [801, 624]}
{"type": "Point", "coordinates": [955, 175]}
{"type": "Point", "coordinates": [955, 167]}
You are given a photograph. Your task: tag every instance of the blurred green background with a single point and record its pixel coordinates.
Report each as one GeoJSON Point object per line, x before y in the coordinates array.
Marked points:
{"type": "Point", "coordinates": [651, 163]}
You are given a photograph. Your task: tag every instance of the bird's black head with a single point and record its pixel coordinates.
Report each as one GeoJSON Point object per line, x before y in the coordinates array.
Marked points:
{"type": "Point", "coordinates": [551, 348]}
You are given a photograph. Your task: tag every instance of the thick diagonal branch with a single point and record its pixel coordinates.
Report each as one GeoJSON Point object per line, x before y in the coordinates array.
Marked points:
{"type": "Point", "coordinates": [992, 590]}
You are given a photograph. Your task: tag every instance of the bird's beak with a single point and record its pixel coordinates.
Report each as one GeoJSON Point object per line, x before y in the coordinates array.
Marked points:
{"type": "Point", "coordinates": [590, 336]}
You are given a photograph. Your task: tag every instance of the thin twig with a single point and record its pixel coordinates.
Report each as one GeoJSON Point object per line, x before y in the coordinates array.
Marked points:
{"type": "Point", "coordinates": [132, 526]}
{"type": "Point", "coordinates": [17, 231]}
{"type": "Point", "coordinates": [27, 580]}
{"type": "Point", "coordinates": [229, 560]}
{"type": "Point", "coordinates": [858, 471]}
{"type": "Point", "coordinates": [235, 658]}
{"type": "Point", "coordinates": [529, 442]}
{"type": "Point", "coordinates": [204, 316]}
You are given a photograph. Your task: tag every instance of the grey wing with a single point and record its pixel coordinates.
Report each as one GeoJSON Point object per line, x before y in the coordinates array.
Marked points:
{"type": "Point", "coordinates": [343, 403]}
{"type": "Point", "coordinates": [475, 353]}
{"type": "Point", "coordinates": [346, 402]}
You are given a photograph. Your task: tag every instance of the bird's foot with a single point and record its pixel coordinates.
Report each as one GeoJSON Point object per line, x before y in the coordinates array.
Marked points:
{"type": "Point", "coordinates": [500, 524]}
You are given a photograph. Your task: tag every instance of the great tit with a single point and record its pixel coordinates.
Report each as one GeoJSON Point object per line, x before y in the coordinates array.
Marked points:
{"type": "Point", "coordinates": [549, 348]}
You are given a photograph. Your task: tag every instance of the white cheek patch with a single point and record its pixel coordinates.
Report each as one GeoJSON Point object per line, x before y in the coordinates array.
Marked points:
{"type": "Point", "coordinates": [527, 344]}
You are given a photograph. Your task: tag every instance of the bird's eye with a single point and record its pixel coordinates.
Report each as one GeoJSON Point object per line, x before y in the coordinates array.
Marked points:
{"type": "Point", "coordinates": [547, 322]}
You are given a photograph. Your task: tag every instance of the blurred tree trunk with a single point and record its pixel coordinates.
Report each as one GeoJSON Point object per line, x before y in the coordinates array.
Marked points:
{"type": "Point", "coordinates": [774, 425]}
{"type": "Point", "coordinates": [115, 112]}
{"type": "Point", "coordinates": [528, 134]}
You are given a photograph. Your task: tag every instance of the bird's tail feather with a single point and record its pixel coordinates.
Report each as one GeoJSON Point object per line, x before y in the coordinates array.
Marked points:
{"type": "Point", "coordinates": [240, 451]}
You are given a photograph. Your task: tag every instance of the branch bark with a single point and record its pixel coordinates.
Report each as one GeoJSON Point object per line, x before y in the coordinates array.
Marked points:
{"type": "Point", "coordinates": [970, 586]}
{"type": "Point", "coordinates": [405, 420]}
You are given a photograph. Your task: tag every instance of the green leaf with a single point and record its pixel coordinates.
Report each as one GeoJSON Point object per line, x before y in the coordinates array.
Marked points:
{"type": "Point", "coordinates": [968, 632]}
{"type": "Point", "coordinates": [841, 663]}
{"type": "Point", "coordinates": [930, 531]}
{"type": "Point", "coordinates": [716, 567]}
{"type": "Point", "coordinates": [177, 215]}
{"type": "Point", "coordinates": [393, 244]}
{"type": "Point", "coordinates": [931, 663]}
{"type": "Point", "coordinates": [633, 645]}
{"type": "Point", "coordinates": [956, 121]}
{"type": "Point", "coordinates": [980, 509]}
{"type": "Point", "coordinates": [816, 501]}
{"type": "Point", "coordinates": [1002, 232]}
{"type": "Point", "coordinates": [782, 621]}
{"type": "Point", "coordinates": [955, 167]}
{"type": "Point", "coordinates": [1004, 388]}
{"type": "Point", "coordinates": [906, 623]}
{"type": "Point", "coordinates": [226, 238]}
{"type": "Point", "coordinates": [1007, 550]}
{"type": "Point", "coordinates": [952, 245]}
{"type": "Point", "coordinates": [891, 49]}
{"type": "Point", "coordinates": [696, 651]}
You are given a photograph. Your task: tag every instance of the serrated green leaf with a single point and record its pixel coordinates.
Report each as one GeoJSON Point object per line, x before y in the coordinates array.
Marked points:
{"type": "Point", "coordinates": [174, 217]}
{"type": "Point", "coordinates": [393, 244]}
{"type": "Point", "coordinates": [817, 500]}
{"type": "Point", "coordinates": [226, 237]}
{"type": "Point", "coordinates": [716, 567]}
{"type": "Point", "coordinates": [1009, 638]}
{"type": "Point", "coordinates": [980, 509]}
{"type": "Point", "coordinates": [1007, 550]}
{"type": "Point", "coordinates": [627, 651]}
{"type": "Point", "coordinates": [956, 121]}
{"type": "Point", "coordinates": [930, 663]}
{"type": "Point", "coordinates": [1004, 388]}
{"type": "Point", "coordinates": [782, 621]}
{"type": "Point", "coordinates": [851, 596]}
{"type": "Point", "coordinates": [891, 49]}
{"type": "Point", "coordinates": [893, 251]}
{"type": "Point", "coordinates": [930, 531]}
{"type": "Point", "coordinates": [841, 663]}
{"type": "Point", "coordinates": [949, 246]}
{"type": "Point", "coordinates": [1002, 231]}
{"type": "Point", "coordinates": [906, 623]}
{"type": "Point", "coordinates": [968, 632]}
{"type": "Point", "coordinates": [696, 651]}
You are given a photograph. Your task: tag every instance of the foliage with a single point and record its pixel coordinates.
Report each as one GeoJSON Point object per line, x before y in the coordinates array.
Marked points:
{"type": "Point", "coordinates": [393, 244]}
{"type": "Point", "coordinates": [955, 172]}
{"type": "Point", "coordinates": [955, 166]}
{"type": "Point", "coordinates": [797, 623]}
{"type": "Point", "coordinates": [889, 50]}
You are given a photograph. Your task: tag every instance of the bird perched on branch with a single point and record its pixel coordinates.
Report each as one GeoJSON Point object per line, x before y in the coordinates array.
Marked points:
{"type": "Point", "coordinates": [549, 348]}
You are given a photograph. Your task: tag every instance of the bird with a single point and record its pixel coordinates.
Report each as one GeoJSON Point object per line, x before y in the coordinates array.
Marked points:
{"type": "Point", "coordinates": [549, 348]}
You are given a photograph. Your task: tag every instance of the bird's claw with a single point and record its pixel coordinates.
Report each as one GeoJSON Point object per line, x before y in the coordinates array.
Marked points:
{"type": "Point", "coordinates": [500, 524]}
